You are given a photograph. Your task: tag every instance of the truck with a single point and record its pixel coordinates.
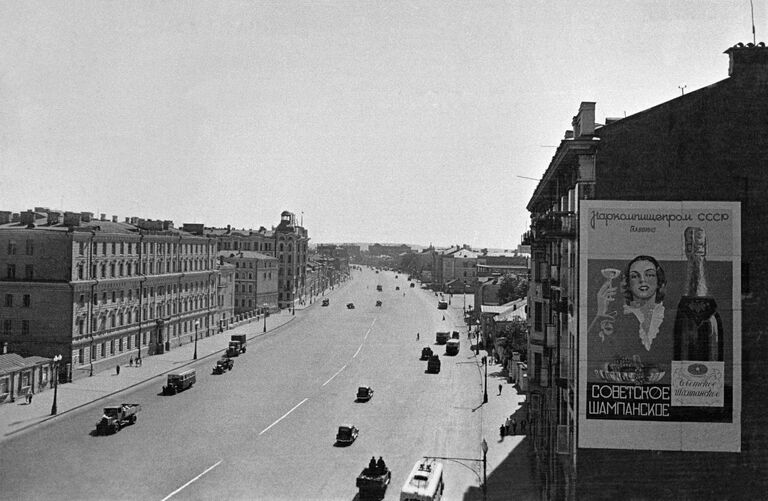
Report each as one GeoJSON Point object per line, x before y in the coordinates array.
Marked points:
{"type": "Point", "coordinates": [452, 347]}
{"type": "Point", "coordinates": [223, 365]}
{"type": "Point", "coordinates": [378, 287]}
{"type": "Point", "coordinates": [115, 417]}
{"type": "Point", "coordinates": [241, 339]}
{"type": "Point", "coordinates": [233, 349]}
{"type": "Point", "coordinates": [373, 481]}
{"type": "Point", "coordinates": [441, 337]}
{"type": "Point", "coordinates": [442, 305]}
{"type": "Point", "coordinates": [433, 364]}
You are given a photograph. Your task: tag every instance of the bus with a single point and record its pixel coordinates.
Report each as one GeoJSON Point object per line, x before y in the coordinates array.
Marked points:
{"type": "Point", "coordinates": [441, 337]}
{"type": "Point", "coordinates": [425, 482]}
{"type": "Point", "coordinates": [452, 347]}
{"type": "Point", "coordinates": [442, 305]}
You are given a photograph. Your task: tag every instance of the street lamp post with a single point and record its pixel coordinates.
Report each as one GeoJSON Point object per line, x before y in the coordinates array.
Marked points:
{"type": "Point", "coordinates": [197, 324]}
{"type": "Point", "coordinates": [484, 445]}
{"type": "Point", "coordinates": [485, 390]}
{"type": "Point", "coordinates": [56, 361]}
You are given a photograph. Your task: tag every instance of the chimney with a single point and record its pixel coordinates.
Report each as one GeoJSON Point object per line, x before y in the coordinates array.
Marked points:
{"type": "Point", "coordinates": [54, 218]}
{"type": "Point", "coordinates": [5, 216]}
{"type": "Point", "coordinates": [72, 218]}
{"type": "Point", "coordinates": [103, 217]}
{"type": "Point", "coordinates": [584, 121]}
{"type": "Point", "coordinates": [86, 216]}
{"type": "Point", "coordinates": [27, 217]}
{"type": "Point", "coordinates": [749, 59]}
{"type": "Point", "coordinates": [568, 134]}
{"type": "Point", "coordinates": [114, 219]}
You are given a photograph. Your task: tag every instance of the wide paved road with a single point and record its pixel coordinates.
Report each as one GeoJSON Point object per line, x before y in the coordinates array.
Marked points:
{"type": "Point", "coordinates": [266, 430]}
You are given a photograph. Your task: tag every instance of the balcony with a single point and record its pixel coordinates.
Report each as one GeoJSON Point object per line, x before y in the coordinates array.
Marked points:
{"type": "Point", "coordinates": [555, 225]}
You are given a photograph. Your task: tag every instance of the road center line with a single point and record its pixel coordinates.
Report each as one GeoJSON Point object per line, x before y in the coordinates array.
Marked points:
{"type": "Point", "coordinates": [283, 416]}
{"type": "Point", "coordinates": [337, 373]}
{"type": "Point", "coordinates": [169, 496]}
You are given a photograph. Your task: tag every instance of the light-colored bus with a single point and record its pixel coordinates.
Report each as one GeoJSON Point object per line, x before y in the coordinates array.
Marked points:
{"type": "Point", "coordinates": [425, 482]}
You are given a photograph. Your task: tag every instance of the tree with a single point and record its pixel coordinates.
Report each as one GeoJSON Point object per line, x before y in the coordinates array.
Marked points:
{"type": "Point", "coordinates": [512, 288]}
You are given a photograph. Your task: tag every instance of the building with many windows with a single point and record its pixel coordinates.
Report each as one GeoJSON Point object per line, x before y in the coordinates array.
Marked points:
{"type": "Point", "coordinates": [99, 291]}
{"type": "Point", "coordinates": [629, 428]}
{"type": "Point", "coordinates": [291, 243]}
{"type": "Point", "coordinates": [255, 280]}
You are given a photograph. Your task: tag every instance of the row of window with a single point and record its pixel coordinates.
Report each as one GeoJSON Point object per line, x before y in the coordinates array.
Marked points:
{"type": "Point", "coordinates": [121, 318]}
{"type": "Point", "coordinates": [151, 292]}
{"type": "Point", "coordinates": [115, 270]}
{"type": "Point", "coordinates": [114, 346]}
{"type": "Point", "coordinates": [241, 276]}
{"type": "Point", "coordinates": [26, 301]}
{"type": "Point", "coordinates": [152, 247]}
{"type": "Point", "coordinates": [8, 327]}
{"type": "Point", "coordinates": [29, 247]}
{"type": "Point", "coordinates": [29, 272]}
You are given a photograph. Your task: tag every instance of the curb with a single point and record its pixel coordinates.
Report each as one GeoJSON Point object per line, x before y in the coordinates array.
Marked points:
{"type": "Point", "coordinates": [109, 395]}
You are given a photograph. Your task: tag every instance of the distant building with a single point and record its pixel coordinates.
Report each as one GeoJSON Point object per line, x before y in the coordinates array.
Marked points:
{"type": "Point", "coordinates": [255, 280]}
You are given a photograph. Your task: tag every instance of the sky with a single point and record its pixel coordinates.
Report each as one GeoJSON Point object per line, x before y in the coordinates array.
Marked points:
{"type": "Point", "coordinates": [416, 122]}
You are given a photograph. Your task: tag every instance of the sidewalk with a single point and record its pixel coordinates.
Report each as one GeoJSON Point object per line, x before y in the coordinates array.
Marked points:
{"type": "Point", "coordinates": [17, 417]}
{"type": "Point", "coordinates": [508, 462]}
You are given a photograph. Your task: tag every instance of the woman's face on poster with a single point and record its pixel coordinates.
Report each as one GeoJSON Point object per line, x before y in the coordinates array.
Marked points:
{"type": "Point", "coordinates": [643, 281]}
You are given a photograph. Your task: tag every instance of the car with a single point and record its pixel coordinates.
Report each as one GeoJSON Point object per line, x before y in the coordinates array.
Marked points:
{"type": "Point", "coordinates": [426, 352]}
{"type": "Point", "coordinates": [223, 365]}
{"type": "Point", "coordinates": [351, 306]}
{"type": "Point", "coordinates": [413, 285]}
{"type": "Point", "coordinates": [326, 302]}
{"type": "Point", "coordinates": [364, 393]}
{"type": "Point", "coordinates": [346, 434]}
{"type": "Point", "coordinates": [397, 288]}
{"type": "Point", "coordinates": [378, 303]}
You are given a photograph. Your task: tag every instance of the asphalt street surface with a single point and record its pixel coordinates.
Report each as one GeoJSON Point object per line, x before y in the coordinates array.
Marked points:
{"type": "Point", "coordinates": [266, 429]}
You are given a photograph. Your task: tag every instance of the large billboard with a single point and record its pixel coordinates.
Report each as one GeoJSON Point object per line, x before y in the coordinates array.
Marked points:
{"type": "Point", "coordinates": [660, 325]}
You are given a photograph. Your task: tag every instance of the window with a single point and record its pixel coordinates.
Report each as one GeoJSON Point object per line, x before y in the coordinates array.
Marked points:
{"type": "Point", "coordinates": [537, 317]}
{"type": "Point", "coordinates": [114, 296]}
{"type": "Point", "coordinates": [114, 248]}
{"type": "Point", "coordinates": [27, 301]}
{"type": "Point", "coordinates": [104, 248]}
{"type": "Point", "coordinates": [28, 272]}
{"type": "Point", "coordinates": [11, 247]}
{"type": "Point", "coordinates": [9, 300]}
{"type": "Point", "coordinates": [103, 349]}
{"type": "Point", "coordinates": [30, 247]}
{"type": "Point", "coordinates": [112, 270]}
{"type": "Point", "coordinates": [104, 298]}
{"type": "Point", "coordinates": [82, 299]}
{"type": "Point", "coordinates": [11, 271]}
{"type": "Point", "coordinates": [79, 271]}
{"type": "Point", "coordinates": [81, 356]}
{"type": "Point", "coordinates": [122, 247]}
{"type": "Point", "coordinates": [7, 326]}
{"type": "Point", "coordinates": [25, 327]}
{"type": "Point", "coordinates": [81, 248]}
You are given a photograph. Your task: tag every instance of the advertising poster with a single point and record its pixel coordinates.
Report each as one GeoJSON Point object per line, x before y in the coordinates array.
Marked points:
{"type": "Point", "coordinates": [660, 325]}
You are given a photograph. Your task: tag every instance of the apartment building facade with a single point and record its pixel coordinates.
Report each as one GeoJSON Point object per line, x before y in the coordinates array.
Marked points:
{"type": "Point", "coordinates": [99, 291]}
{"type": "Point", "coordinates": [704, 149]}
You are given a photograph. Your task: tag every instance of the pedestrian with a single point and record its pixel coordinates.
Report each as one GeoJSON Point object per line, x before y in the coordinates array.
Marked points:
{"type": "Point", "coordinates": [29, 396]}
{"type": "Point", "coordinates": [501, 432]}
{"type": "Point", "coordinates": [514, 426]}
{"type": "Point", "coordinates": [117, 369]}
{"type": "Point", "coordinates": [500, 388]}
{"type": "Point", "coordinates": [130, 362]}
{"type": "Point", "coordinates": [506, 427]}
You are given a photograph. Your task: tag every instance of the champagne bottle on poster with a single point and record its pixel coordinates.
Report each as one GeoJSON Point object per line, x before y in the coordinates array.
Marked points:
{"type": "Point", "coordinates": [698, 328]}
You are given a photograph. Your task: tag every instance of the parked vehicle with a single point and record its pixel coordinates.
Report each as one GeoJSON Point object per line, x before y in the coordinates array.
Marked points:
{"type": "Point", "coordinates": [179, 381]}
{"type": "Point", "coordinates": [241, 339]}
{"type": "Point", "coordinates": [115, 417]}
{"type": "Point", "coordinates": [452, 347]}
{"type": "Point", "coordinates": [350, 306]}
{"type": "Point", "coordinates": [433, 364]}
{"type": "Point", "coordinates": [425, 481]}
{"type": "Point", "coordinates": [413, 285]}
{"type": "Point", "coordinates": [378, 288]}
{"type": "Point", "coordinates": [441, 337]}
{"type": "Point", "coordinates": [373, 480]}
{"type": "Point", "coordinates": [364, 393]}
{"type": "Point", "coordinates": [455, 335]}
{"type": "Point", "coordinates": [442, 305]}
{"type": "Point", "coordinates": [378, 303]}
{"type": "Point", "coordinates": [326, 302]}
{"type": "Point", "coordinates": [397, 288]}
{"type": "Point", "coordinates": [426, 352]}
{"type": "Point", "coordinates": [223, 365]}
{"type": "Point", "coordinates": [346, 434]}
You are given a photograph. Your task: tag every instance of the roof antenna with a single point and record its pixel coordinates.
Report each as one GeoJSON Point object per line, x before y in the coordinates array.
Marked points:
{"type": "Point", "coordinates": [752, 8]}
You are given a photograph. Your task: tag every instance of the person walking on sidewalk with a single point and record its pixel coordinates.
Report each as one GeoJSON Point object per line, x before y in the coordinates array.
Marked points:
{"type": "Point", "coordinates": [130, 362]}
{"type": "Point", "coordinates": [514, 426]}
{"type": "Point", "coordinates": [117, 369]}
{"type": "Point", "coordinates": [500, 388]}
{"type": "Point", "coordinates": [506, 427]}
{"type": "Point", "coordinates": [501, 432]}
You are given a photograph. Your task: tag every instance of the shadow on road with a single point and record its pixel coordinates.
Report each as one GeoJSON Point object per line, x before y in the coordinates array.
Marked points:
{"type": "Point", "coordinates": [509, 480]}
